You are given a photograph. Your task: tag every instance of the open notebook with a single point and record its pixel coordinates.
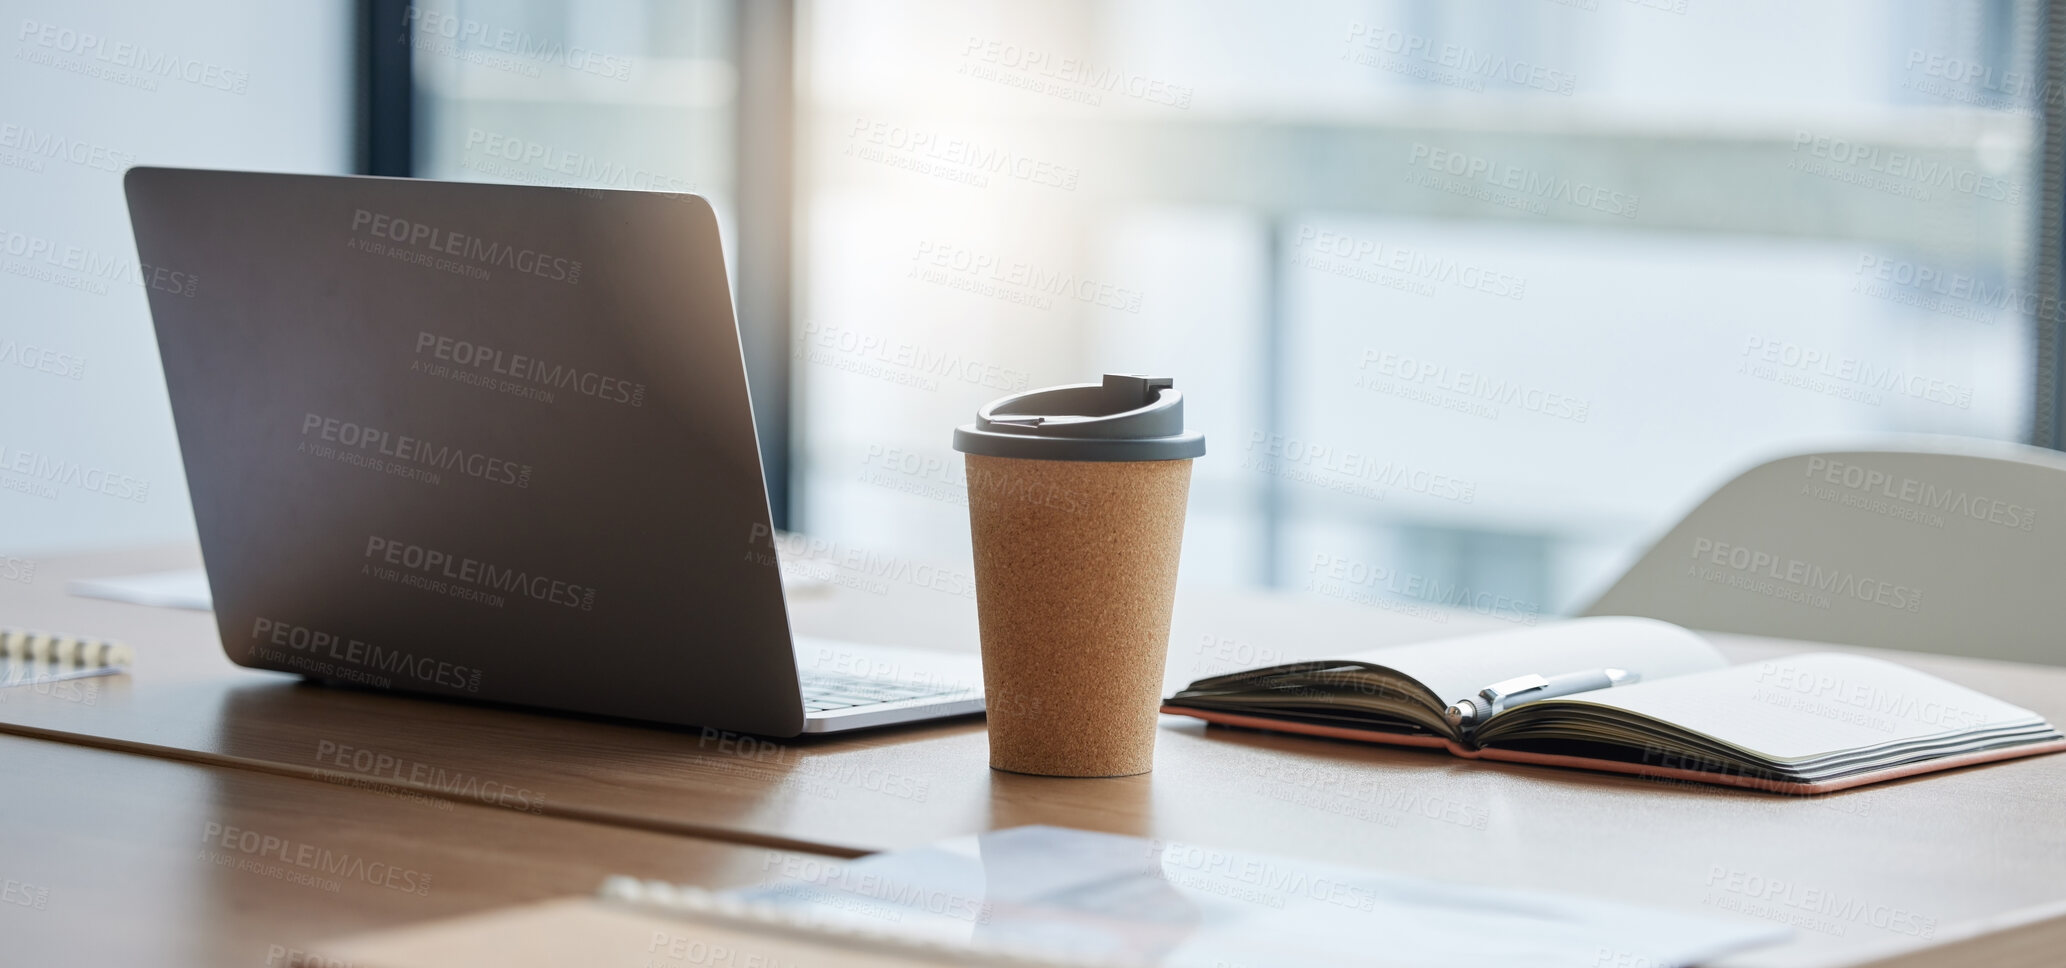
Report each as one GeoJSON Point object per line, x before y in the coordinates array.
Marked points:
{"type": "Point", "coordinates": [1810, 723]}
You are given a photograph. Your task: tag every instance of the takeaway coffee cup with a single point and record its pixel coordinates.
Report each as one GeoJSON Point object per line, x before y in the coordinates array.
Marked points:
{"type": "Point", "coordinates": [1076, 505]}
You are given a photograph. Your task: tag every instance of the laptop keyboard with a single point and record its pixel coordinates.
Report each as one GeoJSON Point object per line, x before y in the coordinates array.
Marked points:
{"type": "Point", "coordinates": [827, 691]}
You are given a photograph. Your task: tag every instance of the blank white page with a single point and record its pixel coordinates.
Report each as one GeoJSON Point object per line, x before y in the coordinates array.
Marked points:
{"type": "Point", "coordinates": [1800, 707]}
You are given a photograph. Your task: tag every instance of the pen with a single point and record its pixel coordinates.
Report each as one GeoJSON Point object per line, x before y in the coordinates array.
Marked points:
{"type": "Point", "coordinates": [1508, 693]}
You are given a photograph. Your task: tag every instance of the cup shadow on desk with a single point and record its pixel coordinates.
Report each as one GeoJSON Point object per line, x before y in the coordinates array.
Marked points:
{"type": "Point", "coordinates": [1116, 804]}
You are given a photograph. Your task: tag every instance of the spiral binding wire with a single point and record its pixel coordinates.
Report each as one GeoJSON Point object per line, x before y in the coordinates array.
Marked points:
{"type": "Point", "coordinates": [23, 645]}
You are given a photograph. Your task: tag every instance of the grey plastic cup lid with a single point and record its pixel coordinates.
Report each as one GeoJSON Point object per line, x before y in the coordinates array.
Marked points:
{"type": "Point", "coordinates": [1127, 417]}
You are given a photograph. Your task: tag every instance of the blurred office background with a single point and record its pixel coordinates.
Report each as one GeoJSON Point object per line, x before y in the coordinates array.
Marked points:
{"type": "Point", "coordinates": [1481, 296]}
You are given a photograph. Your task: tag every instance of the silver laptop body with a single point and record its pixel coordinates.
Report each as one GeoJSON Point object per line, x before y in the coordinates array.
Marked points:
{"type": "Point", "coordinates": [489, 442]}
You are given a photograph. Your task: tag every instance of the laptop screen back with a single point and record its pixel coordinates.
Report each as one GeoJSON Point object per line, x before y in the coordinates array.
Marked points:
{"type": "Point", "coordinates": [471, 440]}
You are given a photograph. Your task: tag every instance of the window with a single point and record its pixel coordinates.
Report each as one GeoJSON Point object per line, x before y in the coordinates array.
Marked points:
{"type": "Point", "coordinates": [1471, 299]}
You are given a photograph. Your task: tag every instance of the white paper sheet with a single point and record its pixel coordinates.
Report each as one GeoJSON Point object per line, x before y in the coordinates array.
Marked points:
{"type": "Point", "coordinates": [1073, 895]}
{"type": "Point", "coordinates": [160, 589]}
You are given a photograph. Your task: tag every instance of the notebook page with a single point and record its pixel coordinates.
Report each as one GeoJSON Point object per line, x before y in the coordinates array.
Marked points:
{"type": "Point", "coordinates": [1804, 706]}
{"type": "Point", "coordinates": [1457, 668]}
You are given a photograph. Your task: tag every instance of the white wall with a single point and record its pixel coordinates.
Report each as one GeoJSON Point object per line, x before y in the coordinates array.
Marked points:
{"type": "Point", "coordinates": [88, 457]}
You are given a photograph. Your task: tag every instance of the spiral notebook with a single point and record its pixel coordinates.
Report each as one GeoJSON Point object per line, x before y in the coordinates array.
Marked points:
{"type": "Point", "coordinates": [1810, 723]}
{"type": "Point", "coordinates": [30, 658]}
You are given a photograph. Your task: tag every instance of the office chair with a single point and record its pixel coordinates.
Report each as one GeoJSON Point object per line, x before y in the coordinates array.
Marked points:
{"type": "Point", "coordinates": [1934, 544]}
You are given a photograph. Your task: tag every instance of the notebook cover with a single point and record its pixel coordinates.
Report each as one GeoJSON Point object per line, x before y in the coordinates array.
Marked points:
{"type": "Point", "coordinates": [1617, 766]}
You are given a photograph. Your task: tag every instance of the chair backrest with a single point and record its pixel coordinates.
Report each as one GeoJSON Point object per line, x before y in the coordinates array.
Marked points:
{"type": "Point", "coordinates": [1938, 545]}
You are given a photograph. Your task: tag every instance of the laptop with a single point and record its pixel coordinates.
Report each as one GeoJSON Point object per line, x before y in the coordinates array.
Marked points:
{"type": "Point", "coordinates": [489, 442]}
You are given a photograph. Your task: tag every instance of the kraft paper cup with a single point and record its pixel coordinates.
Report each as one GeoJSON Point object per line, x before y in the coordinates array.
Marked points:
{"type": "Point", "coordinates": [1076, 509]}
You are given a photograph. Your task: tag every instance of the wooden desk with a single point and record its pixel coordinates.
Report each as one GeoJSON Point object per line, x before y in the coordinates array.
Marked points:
{"type": "Point", "coordinates": [1868, 871]}
{"type": "Point", "coordinates": [113, 859]}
